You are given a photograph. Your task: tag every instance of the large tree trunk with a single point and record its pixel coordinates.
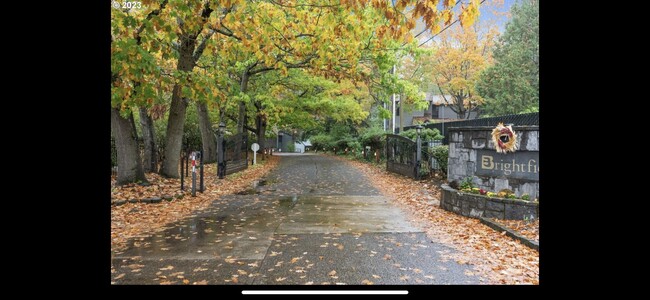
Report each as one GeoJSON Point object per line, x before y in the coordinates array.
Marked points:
{"type": "Point", "coordinates": [174, 138]}
{"type": "Point", "coordinates": [150, 159]}
{"type": "Point", "coordinates": [186, 60]}
{"type": "Point", "coordinates": [260, 121]}
{"type": "Point", "coordinates": [128, 155]}
{"type": "Point", "coordinates": [207, 135]}
{"type": "Point", "coordinates": [241, 120]}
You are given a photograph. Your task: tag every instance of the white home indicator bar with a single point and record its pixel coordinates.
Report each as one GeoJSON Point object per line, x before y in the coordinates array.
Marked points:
{"type": "Point", "coordinates": [325, 292]}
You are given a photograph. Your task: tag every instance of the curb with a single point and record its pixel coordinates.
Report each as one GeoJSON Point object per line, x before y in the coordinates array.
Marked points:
{"type": "Point", "coordinates": [146, 200]}
{"type": "Point", "coordinates": [509, 232]}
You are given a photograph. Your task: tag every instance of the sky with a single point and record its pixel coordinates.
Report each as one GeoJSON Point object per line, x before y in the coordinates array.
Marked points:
{"type": "Point", "coordinates": [496, 11]}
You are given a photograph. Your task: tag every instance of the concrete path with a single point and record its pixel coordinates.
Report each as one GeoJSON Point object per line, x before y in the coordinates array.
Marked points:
{"type": "Point", "coordinates": [313, 220]}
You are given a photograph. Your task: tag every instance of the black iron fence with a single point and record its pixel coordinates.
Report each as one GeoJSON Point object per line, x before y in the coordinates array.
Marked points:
{"type": "Point", "coordinates": [401, 155]}
{"type": "Point", "coordinates": [235, 154]}
{"type": "Point", "coordinates": [518, 120]}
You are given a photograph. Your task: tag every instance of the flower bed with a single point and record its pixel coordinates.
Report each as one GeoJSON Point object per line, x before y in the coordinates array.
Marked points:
{"type": "Point", "coordinates": [477, 205]}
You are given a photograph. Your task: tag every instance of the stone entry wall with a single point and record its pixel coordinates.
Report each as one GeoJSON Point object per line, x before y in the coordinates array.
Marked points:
{"type": "Point", "coordinates": [472, 153]}
{"type": "Point", "coordinates": [475, 206]}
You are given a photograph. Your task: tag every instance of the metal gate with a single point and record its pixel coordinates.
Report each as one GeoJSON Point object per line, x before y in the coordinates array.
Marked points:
{"type": "Point", "coordinates": [401, 155]}
{"type": "Point", "coordinates": [235, 154]}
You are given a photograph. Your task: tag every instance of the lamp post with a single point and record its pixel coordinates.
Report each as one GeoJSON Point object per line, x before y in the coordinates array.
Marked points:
{"type": "Point", "coordinates": [221, 164]}
{"type": "Point", "coordinates": [418, 153]}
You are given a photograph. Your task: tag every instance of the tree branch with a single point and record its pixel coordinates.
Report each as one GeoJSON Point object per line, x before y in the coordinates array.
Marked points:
{"type": "Point", "coordinates": [245, 126]}
{"type": "Point", "coordinates": [305, 5]}
{"type": "Point", "coordinates": [199, 50]}
{"type": "Point", "coordinates": [149, 16]}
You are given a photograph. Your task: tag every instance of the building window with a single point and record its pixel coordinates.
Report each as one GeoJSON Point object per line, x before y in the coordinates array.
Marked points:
{"type": "Point", "coordinates": [435, 111]}
{"type": "Point", "coordinates": [397, 105]}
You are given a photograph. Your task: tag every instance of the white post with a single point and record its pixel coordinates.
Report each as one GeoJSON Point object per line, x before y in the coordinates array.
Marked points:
{"type": "Point", "coordinates": [255, 147]}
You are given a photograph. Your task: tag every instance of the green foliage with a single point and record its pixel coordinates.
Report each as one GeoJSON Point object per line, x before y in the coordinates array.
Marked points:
{"type": "Point", "coordinates": [511, 85]}
{"type": "Point", "coordinates": [427, 134]}
{"type": "Point", "coordinates": [291, 147]}
{"type": "Point", "coordinates": [375, 137]}
{"type": "Point", "coordinates": [525, 197]}
{"type": "Point", "coordinates": [347, 142]}
{"type": "Point", "coordinates": [321, 141]}
{"type": "Point", "coordinates": [467, 183]}
{"type": "Point", "coordinates": [354, 145]}
{"type": "Point", "coordinates": [441, 154]}
{"type": "Point", "coordinates": [191, 131]}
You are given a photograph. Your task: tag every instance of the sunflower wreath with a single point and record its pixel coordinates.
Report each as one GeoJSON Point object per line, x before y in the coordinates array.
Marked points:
{"type": "Point", "coordinates": [504, 138]}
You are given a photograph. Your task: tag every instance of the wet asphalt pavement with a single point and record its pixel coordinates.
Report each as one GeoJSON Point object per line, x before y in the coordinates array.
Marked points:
{"type": "Point", "coordinates": [313, 220]}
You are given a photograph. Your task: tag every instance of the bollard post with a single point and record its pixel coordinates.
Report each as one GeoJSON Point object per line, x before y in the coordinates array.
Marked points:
{"type": "Point", "coordinates": [193, 174]}
{"type": "Point", "coordinates": [187, 164]}
{"type": "Point", "coordinates": [202, 187]}
{"type": "Point", "coordinates": [182, 177]}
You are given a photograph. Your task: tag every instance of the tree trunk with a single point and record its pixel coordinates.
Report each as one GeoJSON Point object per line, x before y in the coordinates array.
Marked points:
{"type": "Point", "coordinates": [178, 107]}
{"type": "Point", "coordinates": [241, 120]}
{"type": "Point", "coordinates": [128, 156]}
{"type": "Point", "coordinates": [150, 159]}
{"type": "Point", "coordinates": [174, 138]}
{"type": "Point", "coordinates": [207, 134]}
{"type": "Point", "coordinates": [261, 130]}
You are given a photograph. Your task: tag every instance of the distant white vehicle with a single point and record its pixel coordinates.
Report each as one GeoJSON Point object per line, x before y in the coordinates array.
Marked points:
{"type": "Point", "coordinates": [300, 148]}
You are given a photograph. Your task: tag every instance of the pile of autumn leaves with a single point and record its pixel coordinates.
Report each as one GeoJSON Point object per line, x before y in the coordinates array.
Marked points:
{"type": "Point", "coordinates": [494, 256]}
{"type": "Point", "coordinates": [142, 219]}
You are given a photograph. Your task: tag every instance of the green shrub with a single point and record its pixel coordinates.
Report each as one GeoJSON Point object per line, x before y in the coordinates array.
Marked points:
{"type": "Point", "coordinates": [345, 142]}
{"type": "Point", "coordinates": [374, 137]}
{"type": "Point", "coordinates": [354, 145]}
{"type": "Point", "coordinates": [428, 134]}
{"type": "Point", "coordinates": [291, 147]}
{"type": "Point", "coordinates": [321, 141]}
{"type": "Point", "coordinates": [467, 183]}
{"type": "Point", "coordinates": [525, 197]}
{"type": "Point", "coordinates": [441, 154]}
